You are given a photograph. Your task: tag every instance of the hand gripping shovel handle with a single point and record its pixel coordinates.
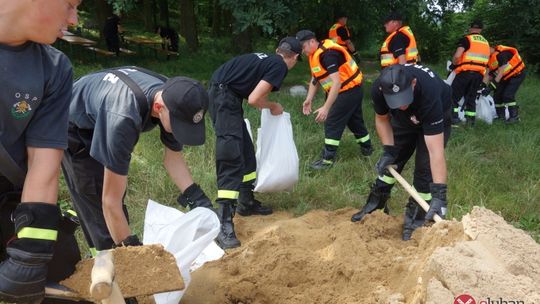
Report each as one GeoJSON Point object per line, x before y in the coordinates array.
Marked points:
{"type": "Point", "coordinates": [412, 192]}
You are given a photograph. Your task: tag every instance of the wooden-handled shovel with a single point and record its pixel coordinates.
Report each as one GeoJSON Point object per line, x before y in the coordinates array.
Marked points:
{"type": "Point", "coordinates": [103, 288]}
{"type": "Point", "coordinates": [412, 192]}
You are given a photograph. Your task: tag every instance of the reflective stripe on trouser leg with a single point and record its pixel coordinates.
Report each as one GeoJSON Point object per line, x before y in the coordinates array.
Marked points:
{"type": "Point", "coordinates": [470, 113]}
{"type": "Point", "coordinates": [250, 177]}
{"type": "Point", "coordinates": [228, 194]}
{"type": "Point", "coordinates": [331, 142]}
{"type": "Point", "coordinates": [362, 140]}
{"type": "Point", "coordinates": [513, 103]}
{"type": "Point", "coordinates": [387, 179]}
{"type": "Point", "coordinates": [37, 234]}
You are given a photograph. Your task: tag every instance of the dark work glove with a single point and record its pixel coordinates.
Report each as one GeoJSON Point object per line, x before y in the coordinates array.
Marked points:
{"type": "Point", "coordinates": [131, 240]}
{"type": "Point", "coordinates": [452, 67]}
{"type": "Point", "coordinates": [194, 197]}
{"type": "Point", "coordinates": [390, 153]}
{"type": "Point", "coordinates": [438, 203]}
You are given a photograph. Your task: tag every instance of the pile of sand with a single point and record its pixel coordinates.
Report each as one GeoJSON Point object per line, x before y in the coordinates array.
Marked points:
{"type": "Point", "coordinates": [322, 257]}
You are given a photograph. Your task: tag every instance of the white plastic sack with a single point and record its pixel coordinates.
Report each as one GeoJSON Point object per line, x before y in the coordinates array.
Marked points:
{"type": "Point", "coordinates": [277, 158]}
{"type": "Point", "coordinates": [485, 108]}
{"type": "Point", "coordinates": [188, 236]}
{"type": "Point", "coordinates": [248, 126]}
{"type": "Point", "coordinates": [450, 78]}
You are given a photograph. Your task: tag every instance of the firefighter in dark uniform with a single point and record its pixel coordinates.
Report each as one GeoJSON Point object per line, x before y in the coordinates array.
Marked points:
{"type": "Point", "coordinates": [108, 112]}
{"type": "Point", "coordinates": [252, 77]}
{"type": "Point", "coordinates": [400, 45]}
{"type": "Point", "coordinates": [413, 111]}
{"type": "Point", "coordinates": [507, 72]}
{"type": "Point", "coordinates": [333, 69]}
{"type": "Point", "coordinates": [340, 34]}
{"type": "Point", "coordinates": [469, 63]}
{"type": "Point", "coordinates": [36, 84]}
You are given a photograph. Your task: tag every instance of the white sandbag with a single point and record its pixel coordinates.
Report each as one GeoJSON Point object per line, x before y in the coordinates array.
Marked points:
{"type": "Point", "coordinates": [248, 126]}
{"type": "Point", "coordinates": [277, 157]}
{"type": "Point", "coordinates": [188, 236]}
{"type": "Point", "coordinates": [485, 108]}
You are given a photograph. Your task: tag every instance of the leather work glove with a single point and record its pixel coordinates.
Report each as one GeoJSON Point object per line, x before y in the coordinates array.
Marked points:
{"type": "Point", "coordinates": [452, 67]}
{"type": "Point", "coordinates": [438, 203]}
{"type": "Point", "coordinates": [484, 90]}
{"type": "Point", "coordinates": [388, 157]}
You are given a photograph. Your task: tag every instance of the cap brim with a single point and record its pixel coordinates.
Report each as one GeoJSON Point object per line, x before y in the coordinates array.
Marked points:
{"type": "Point", "coordinates": [187, 133]}
{"type": "Point", "coordinates": [403, 98]}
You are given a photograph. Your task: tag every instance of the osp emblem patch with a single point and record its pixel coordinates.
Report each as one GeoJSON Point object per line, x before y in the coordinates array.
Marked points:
{"type": "Point", "coordinates": [21, 109]}
{"type": "Point", "coordinates": [198, 116]}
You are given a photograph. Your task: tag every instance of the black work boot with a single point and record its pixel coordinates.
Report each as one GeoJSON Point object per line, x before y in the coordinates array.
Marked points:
{"type": "Point", "coordinates": [194, 197]}
{"type": "Point", "coordinates": [226, 238]}
{"type": "Point", "coordinates": [23, 274]}
{"type": "Point", "coordinates": [513, 117]}
{"type": "Point", "coordinates": [414, 218]}
{"type": "Point", "coordinates": [455, 117]}
{"type": "Point", "coordinates": [366, 149]}
{"type": "Point", "coordinates": [378, 196]}
{"type": "Point", "coordinates": [327, 159]}
{"type": "Point", "coordinates": [501, 113]}
{"type": "Point", "coordinates": [248, 205]}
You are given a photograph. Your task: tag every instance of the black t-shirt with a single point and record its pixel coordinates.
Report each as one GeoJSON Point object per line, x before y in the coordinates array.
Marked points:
{"type": "Point", "coordinates": [331, 60]}
{"type": "Point", "coordinates": [464, 43]}
{"type": "Point", "coordinates": [503, 57]}
{"type": "Point", "coordinates": [242, 74]}
{"type": "Point", "coordinates": [398, 45]}
{"type": "Point", "coordinates": [105, 104]}
{"type": "Point", "coordinates": [430, 109]}
{"type": "Point", "coordinates": [343, 33]}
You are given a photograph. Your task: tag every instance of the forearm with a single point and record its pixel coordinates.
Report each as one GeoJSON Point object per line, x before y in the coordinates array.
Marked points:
{"type": "Point", "coordinates": [312, 90]}
{"type": "Point", "coordinates": [178, 169]}
{"type": "Point", "coordinates": [350, 46]}
{"type": "Point", "coordinates": [402, 59]}
{"type": "Point", "coordinates": [384, 129]}
{"type": "Point", "coordinates": [334, 91]}
{"type": "Point", "coordinates": [41, 183]}
{"type": "Point", "coordinates": [437, 161]}
{"type": "Point", "coordinates": [114, 187]}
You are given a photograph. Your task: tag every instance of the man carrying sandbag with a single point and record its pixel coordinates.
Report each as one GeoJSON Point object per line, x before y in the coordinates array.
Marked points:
{"type": "Point", "coordinates": [252, 77]}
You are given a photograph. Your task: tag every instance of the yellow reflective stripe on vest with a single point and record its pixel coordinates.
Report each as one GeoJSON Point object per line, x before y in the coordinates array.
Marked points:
{"type": "Point", "coordinates": [387, 59]}
{"type": "Point", "coordinates": [249, 177]}
{"type": "Point", "coordinates": [412, 52]}
{"type": "Point", "coordinates": [331, 142]}
{"type": "Point", "coordinates": [387, 179]}
{"type": "Point", "coordinates": [229, 194]}
{"type": "Point", "coordinates": [476, 57]}
{"type": "Point", "coordinates": [363, 139]}
{"type": "Point", "coordinates": [326, 83]}
{"type": "Point", "coordinates": [37, 233]}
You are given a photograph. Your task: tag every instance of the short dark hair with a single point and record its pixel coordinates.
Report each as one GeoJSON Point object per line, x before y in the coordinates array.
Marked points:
{"type": "Point", "coordinates": [477, 24]}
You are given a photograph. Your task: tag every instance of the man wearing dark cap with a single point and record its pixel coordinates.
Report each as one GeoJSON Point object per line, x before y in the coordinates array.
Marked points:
{"type": "Point", "coordinates": [400, 45]}
{"type": "Point", "coordinates": [333, 69]}
{"type": "Point", "coordinates": [412, 112]}
{"type": "Point", "coordinates": [470, 62]}
{"type": "Point", "coordinates": [251, 77]}
{"type": "Point", "coordinates": [340, 34]}
{"type": "Point", "coordinates": [108, 112]}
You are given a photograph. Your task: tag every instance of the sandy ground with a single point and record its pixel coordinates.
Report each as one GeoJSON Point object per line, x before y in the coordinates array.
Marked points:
{"type": "Point", "coordinates": [322, 257]}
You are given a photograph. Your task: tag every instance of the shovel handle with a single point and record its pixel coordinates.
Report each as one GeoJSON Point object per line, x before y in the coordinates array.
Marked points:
{"type": "Point", "coordinates": [102, 275]}
{"type": "Point", "coordinates": [412, 192]}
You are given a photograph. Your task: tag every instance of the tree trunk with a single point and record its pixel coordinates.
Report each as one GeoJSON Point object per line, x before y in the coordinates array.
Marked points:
{"type": "Point", "coordinates": [164, 13]}
{"type": "Point", "coordinates": [216, 18]}
{"type": "Point", "coordinates": [103, 10]}
{"type": "Point", "coordinates": [188, 24]}
{"type": "Point", "coordinates": [148, 15]}
{"type": "Point", "coordinates": [243, 42]}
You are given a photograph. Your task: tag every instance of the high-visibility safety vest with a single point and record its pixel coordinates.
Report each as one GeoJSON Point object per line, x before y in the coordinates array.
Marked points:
{"type": "Point", "coordinates": [476, 57]}
{"type": "Point", "coordinates": [411, 52]}
{"type": "Point", "coordinates": [514, 66]}
{"type": "Point", "coordinates": [349, 73]}
{"type": "Point", "coordinates": [333, 35]}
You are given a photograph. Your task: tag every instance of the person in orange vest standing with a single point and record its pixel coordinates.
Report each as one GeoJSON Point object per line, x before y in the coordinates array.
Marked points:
{"type": "Point", "coordinates": [334, 69]}
{"type": "Point", "coordinates": [340, 34]}
{"type": "Point", "coordinates": [507, 72]}
{"type": "Point", "coordinates": [400, 45]}
{"type": "Point", "coordinates": [469, 63]}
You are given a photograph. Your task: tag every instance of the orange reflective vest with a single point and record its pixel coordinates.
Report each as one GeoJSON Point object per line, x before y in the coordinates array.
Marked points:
{"type": "Point", "coordinates": [349, 73]}
{"type": "Point", "coordinates": [333, 35]}
{"type": "Point", "coordinates": [514, 66]}
{"type": "Point", "coordinates": [476, 57]}
{"type": "Point", "coordinates": [411, 52]}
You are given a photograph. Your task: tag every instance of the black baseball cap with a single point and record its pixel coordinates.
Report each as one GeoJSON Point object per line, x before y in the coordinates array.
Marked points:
{"type": "Point", "coordinates": [304, 35]}
{"type": "Point", "coordinates": [477, 24]}
{"type": "Point", "coordinates": [187, 101]}
{"type": "Point", "coordinates": [396, 85]}
{"type": "Point", "coordinates": [393, 16]}
{"type": "Point", "coordinates": [292, 44]}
